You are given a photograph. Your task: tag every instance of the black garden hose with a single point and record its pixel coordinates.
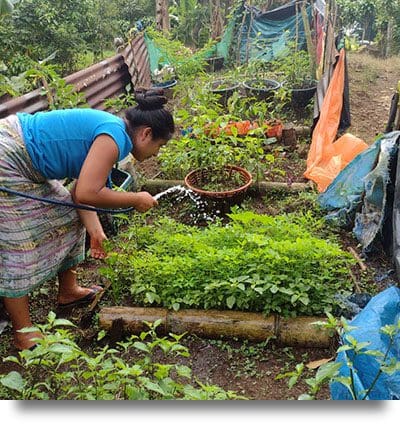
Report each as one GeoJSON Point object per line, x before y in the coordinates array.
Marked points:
{"type": "Point", "coordinates": [66, 204]}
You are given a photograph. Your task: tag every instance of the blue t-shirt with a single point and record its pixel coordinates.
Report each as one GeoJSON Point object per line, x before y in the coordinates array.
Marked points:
{"type": "Point", "coordinates": [59, 141]}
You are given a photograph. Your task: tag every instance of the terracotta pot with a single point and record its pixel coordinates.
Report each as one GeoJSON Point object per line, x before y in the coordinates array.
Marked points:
{"type": "Point", "coordinates": [200, 176]}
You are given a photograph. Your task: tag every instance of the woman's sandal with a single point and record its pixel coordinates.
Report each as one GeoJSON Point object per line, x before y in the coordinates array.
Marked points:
{"type": "Point", "coordinates": [88, 298]}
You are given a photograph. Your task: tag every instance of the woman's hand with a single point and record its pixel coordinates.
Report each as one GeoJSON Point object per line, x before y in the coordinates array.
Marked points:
{"type": "Point", "coordinates": [143, 201]}
{"type": "Point", "coordinates": [96, 245]}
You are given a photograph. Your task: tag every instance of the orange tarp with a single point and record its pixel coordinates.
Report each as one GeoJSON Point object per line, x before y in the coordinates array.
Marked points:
{"type": "Point", "coordinates": [327, 156]}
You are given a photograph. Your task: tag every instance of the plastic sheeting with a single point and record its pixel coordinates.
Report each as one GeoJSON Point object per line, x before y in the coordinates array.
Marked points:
{"type": "Point", "coordinates": [383, 309]}
{"type": "Point", "coordinates": [327, 156]}
{"type": "Point", "coordinates": [359, 195]}
{"type": "Point", "coordinates": [266, 36]}
{"type": "Point", "coordinates": [377, 201]}
{"type": "Point", "coordinates": [396, 219]}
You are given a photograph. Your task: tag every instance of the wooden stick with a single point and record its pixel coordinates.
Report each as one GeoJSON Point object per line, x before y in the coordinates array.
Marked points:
{"type": "Point", "coordinates": [358, 258]}
{"type": "Point", "coordinates": [357, 288]}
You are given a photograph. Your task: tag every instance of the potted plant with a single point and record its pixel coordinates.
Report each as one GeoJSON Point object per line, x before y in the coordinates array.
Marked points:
{"type": "Point", "coordinates": [298, 76]}
{"type": "Point", "coordinates": [214, 64]}
{"type": "Point", "coordinates": [262, 89]}
{"type": "Point", "coordinates": [165, 78]}
{"type": "Point", "coordinates": [225, 182]}
{"type": "Point", "coordinates": [219, 159]}
{"type": "Point", "coordinates": [224, 88]}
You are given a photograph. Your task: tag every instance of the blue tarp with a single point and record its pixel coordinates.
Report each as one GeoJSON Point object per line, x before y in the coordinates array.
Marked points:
{"type": "Point", "coordinates": [266, 36]}
{"type": "Point", "coordinates": [362, 184]}
{"type": "Point", "coordinates": [251, 34]}
{"type": "Point", "coordinates": [382, 310]}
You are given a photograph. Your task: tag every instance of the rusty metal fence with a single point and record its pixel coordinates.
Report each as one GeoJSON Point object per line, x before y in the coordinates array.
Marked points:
{"type": "Point", "coordinates": [103, 80]}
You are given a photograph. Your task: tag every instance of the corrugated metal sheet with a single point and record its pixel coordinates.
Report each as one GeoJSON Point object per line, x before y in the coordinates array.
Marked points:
{"type": "Point", "coordinates": [137, 60]}
{"type": "Point", "coordinates": [106, 79]}
{"type": "Point", "coordinates": [103, 80]}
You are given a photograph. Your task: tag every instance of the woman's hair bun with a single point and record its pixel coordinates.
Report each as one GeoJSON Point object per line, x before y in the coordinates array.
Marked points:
{"type": "Point", "coordinates": [150, 99]}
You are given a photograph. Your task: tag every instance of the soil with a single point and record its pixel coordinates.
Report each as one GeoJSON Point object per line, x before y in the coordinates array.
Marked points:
{"type": "Point", "coordinates": [372, 82]}
{"type": "Point", "coordinates": [249, 368]}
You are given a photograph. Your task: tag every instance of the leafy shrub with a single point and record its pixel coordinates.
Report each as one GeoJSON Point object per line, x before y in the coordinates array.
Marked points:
{"type": "Point", "coordinates": [57, 368]}
{"type": "Point", "coordinates": [255, 263]}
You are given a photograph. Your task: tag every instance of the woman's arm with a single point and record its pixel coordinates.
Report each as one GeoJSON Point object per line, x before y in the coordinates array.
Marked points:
{"type": "Point", "coordinates": [91, 185]}
{"type": "Point", "coordinates": [94, 230]}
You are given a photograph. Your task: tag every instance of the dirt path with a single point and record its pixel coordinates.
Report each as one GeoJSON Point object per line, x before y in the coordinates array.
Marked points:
{"type": "Point", "coordinates": [372, 83]}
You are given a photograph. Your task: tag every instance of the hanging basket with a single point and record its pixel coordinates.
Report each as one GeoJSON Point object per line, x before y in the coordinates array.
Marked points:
{"type": "Point", "coordinates": [196, 180]}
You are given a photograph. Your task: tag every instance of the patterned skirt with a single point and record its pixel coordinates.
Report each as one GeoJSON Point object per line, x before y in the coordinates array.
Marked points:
{"type": "Point", "coordinates": [37, 240]}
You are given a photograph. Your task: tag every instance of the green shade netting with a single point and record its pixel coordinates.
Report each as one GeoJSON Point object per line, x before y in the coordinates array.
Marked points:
{"type": "Point", "coordinates": [248, 35]}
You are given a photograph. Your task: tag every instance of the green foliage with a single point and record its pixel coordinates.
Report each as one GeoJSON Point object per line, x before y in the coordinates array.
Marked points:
{"type": "Point", "coordinates": [57, 368]}
{"type": "Point", "coordinates": [46, 26]}
{"type": "Point", "coordinates": [121, 102]}
{"type": "Point", "coordinates": [255, 263]}
{"type": "Point", "coordinates": [184, 60]}
{"type": "Point", "coordinates": [329, 372]}
{"type": "Point", "coordinates": [190, 22]}
{"type": "Point", "coordinates": [71, 28]}
{"type": "Point", "coordinates": [6, 6]}
{"type": "Point", "coordinates": [294, 68]}
{"type": "Point", "coordinates": [211, 140]}
{"type": "Point", "coordinates": [214, 152]}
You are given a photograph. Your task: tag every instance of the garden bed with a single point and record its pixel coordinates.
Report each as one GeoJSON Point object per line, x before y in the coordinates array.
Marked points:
{"type": "Point", "coordinates": [248, 367]}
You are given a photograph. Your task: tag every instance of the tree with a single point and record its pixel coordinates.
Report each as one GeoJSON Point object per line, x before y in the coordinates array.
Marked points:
{"type": "Point", "coordinates": [46, 26]}
{"type": "Point", "coordinates": [6, 6]}
{"type": "Point", "coordinates": [162, 15]}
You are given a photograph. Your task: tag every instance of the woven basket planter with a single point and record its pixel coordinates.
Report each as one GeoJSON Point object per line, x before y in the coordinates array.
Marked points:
{"type": "Point", "coordinates": [202, 176]}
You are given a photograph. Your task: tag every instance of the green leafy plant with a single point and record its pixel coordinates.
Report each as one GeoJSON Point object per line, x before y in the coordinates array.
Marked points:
{"type": "Point", "coordinates": [57, 368]}
{"type": "Point", "coordinates": [329, 372]}
{"type": "Point", "coordinates": [122, 102]}
{"type": "Point", "coordinates": [59, 94]}
{"type": "Point", "coordinates": [255, 263]}
{"type": "Point", "coordinates": [294, 68]}
{"type": "Point", "coordinates": [43, 75]}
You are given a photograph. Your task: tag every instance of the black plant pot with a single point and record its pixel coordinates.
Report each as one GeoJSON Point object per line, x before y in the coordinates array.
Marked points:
{"type": "Point", "coordinates": [224, 89]}
{"type": "Point", "coordinates": [167, 86]}
{"type": "Point", "coordinates": [261, 89]}
{"type": "Point", "coordinates": [214, 64]}
{"type": "Point", "coordinates": [301, 97]}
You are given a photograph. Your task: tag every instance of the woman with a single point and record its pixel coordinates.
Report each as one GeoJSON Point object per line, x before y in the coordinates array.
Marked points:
{"type": "Point", "coordinates": [39, 240]}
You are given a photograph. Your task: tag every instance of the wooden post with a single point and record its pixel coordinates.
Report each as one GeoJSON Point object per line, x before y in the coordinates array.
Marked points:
{"type": "Point", "coordinates": [310, 45]}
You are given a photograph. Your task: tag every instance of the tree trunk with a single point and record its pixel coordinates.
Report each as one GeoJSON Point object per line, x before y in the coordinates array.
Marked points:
{"type": "Point", "coordinates": [162, 15]}
{"type": "Point", "coordinates": [217, 21]}
{"type": "Point", "coordinates": [389, 39]}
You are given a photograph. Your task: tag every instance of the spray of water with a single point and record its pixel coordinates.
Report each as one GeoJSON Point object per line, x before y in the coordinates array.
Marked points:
{"type": "Point", "coordinates": [202, 209]}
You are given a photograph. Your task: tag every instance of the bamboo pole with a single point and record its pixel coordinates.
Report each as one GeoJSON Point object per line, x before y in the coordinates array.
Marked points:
{"type": "Point", "coordinates": [299, 331]}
